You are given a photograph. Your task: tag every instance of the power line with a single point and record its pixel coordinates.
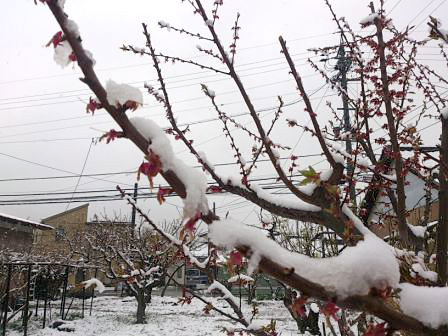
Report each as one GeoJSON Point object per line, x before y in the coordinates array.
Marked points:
{"type": "Point", "coordinates": [146, 64]}
{"type": "Point", "coordinates": [102, 198]}
{"type": "Point", "coordinates": [87, 91]}
{"type": "Point", "coordinates": [157, 105]}
{"type": "Point", "coordinates": [131, 171]}
{"type": "Point", "coordinates": [57, 169]}
{"type": "Point", "coordinates": [80, 175]}
{"type": "Point", "coordinates": [184, 124]}
{"type": "Point", "coordinates": [426, 17]}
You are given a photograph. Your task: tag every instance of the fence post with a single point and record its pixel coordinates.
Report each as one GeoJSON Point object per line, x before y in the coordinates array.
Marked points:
{"type": "Point", "coordinates": [27, 303]}
{"type": "Point", "coordinates": [64, 292]}
{"type": "Point", "coordinates": [93, 293]}
{"type": "Point", "coordinates": [83, 291]}
{"type": "Point", "coordinates": [46, 297]}
{"type": "Point", "coordinates": [6, 301]}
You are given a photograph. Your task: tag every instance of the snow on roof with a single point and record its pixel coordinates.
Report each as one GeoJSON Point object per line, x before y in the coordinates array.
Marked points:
{"type": "Point", "coordinates": [26, 222]}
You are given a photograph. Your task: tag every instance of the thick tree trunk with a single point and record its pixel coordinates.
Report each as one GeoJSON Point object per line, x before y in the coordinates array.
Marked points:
{"type": "Point", "coordinates": [141, 306]}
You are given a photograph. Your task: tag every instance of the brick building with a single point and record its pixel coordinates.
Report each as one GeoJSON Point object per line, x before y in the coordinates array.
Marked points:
{"type": "Point", "coordinates": [66, 225]}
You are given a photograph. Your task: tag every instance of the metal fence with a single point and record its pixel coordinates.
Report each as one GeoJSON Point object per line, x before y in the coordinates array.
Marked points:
{"type": "Point", "coordinates": [40, 288]}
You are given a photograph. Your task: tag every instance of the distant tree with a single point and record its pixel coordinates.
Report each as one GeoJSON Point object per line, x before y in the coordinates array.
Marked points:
{"type": "Point", "coordinates": [136, 258]}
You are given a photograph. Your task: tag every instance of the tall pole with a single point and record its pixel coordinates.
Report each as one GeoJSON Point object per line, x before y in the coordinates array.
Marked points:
{"type": "Point", "coordinates": [343, 65]}
{"type": "Point", "coordinates": [135, 200]}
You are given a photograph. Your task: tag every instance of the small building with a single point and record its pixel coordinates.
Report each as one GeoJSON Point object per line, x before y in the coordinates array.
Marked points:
{"type": "Point", "coordinates": [377, 212]}
{"type": "Point", "coordinates": [17, 234]}
{"type": "Point", "coordinates": [66, 225]}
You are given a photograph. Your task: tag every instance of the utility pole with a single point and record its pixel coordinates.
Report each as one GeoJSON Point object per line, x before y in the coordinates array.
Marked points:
{"type": "Point", "coordinates": [135, 200]}
{"type": "Point", "coordinates": [343, 66]}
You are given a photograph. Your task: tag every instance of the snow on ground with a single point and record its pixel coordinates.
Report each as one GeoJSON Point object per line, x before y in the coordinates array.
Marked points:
{"type": "Point", "coordinates": [115, 316]}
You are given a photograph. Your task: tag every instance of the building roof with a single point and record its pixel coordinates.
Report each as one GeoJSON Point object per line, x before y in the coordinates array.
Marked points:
{"type": "Point", "coordinates": [65, 212]}
{"type": "Point", "coordinates": [17, 220]}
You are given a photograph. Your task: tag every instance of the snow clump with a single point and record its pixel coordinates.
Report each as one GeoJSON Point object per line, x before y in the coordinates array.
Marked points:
{"type": "Point", "coordinates": [370, 19]}
{"type": "Point", "coordinates": [62, 54]}
{"type": "Point", "coordinates": [426, 304]}
{"type": "Point", "coordinates": [120, 94]}
{"type": "Point", "coordinates": [444, 112]}
{"type": "Point", "coordinates": [98, 284]}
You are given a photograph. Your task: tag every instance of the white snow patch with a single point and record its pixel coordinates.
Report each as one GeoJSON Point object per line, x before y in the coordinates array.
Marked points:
{"type": "Point", "coordinates": [90, 56]}
{"type": "Point", "coordinates": [363, 161]}
{"type": "Point", "coordinates": [119, 94]}
{"type": "Point", "coordinates": [292, 203]}
{"type": "Point", "coordinates": [308, 189]}
{"type": "Point", "coordinates": [253, 263]}
{"type": "Point", "coordinates": [426, 304]}
{"type": "Point", "coordinates": [240, 277]}
{"type": "Point", "coordinates": [73, 27]}
{"type": "Point", "coordinates": [209, 91]}
{"type": "Point", "coordinates": [204, 159]}
{"type": "Point", "coordinates": [37, 225]}
{"type": "Point", "coordinates": [224, 291]}
{"type": "Point", "coordinates": [369, 264]}
{"type": "Point", "coordinates": [369, 19]}
{"type": "Point", "coordinates": [418, 230]}
{"type": "Point", "coordinates": [62, 53]}
{"type": "Point", "coordinates": [164, 24]}
{"type": "Point", "coordinates": [255, 325]}
{"type": "Point", "coordinates": [390, 177]}
{"type": "Point", "coordinates": [209, 23]}
{"type": "Point", "coordinates": [152, 270]}
{"type": "Point", "coordinates": [98, 284]}
{"type": "Point", "coordinates": [444, 112]}
{"type": "Point", "coordinates": [425, 274]}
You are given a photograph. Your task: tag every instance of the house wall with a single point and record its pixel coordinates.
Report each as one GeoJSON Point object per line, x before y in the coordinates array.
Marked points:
{"type": "Point", "coordinates": [386, 227]}
{"type": "Point", "coordinates": [416, 215]}
{"type": "Point", "coordinates": [66, 225]}
{"type": "Point", "coordinates": [383, 226]}
{"type": "Point", "coordinates": [15, 237]}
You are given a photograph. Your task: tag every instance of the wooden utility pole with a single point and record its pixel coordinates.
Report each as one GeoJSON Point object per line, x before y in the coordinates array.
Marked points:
{"type": "Point", "coordinates": [135, 200]}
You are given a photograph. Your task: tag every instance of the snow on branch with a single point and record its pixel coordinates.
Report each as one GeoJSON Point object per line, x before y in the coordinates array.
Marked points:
{"type": "Point", "coordinates": [370, 264]}
{"type": "Point", "coordinates": [123, 95]}
{"type": "Point", "coordinates": [444, 112]}
{"type": "Point", "coordinates": [241, 278]}
{"type": "Point", "coordinates": [370, 19]}
{"type": "Point", "coordinates": [226, 294]}
{"type": "Point", "coordinates": [296, 204]}
{"type": "Point", "coordinates": [426, 304]}
{"type": "Point", "coordinates": [194, 180]}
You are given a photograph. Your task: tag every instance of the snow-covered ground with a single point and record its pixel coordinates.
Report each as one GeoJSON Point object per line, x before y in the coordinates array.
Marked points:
{"type": "Point", "coordinates": [115, 316]}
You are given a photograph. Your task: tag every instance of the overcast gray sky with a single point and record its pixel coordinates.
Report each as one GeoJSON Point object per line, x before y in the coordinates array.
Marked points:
{"type": "Point", "coordinates": [43, 106]}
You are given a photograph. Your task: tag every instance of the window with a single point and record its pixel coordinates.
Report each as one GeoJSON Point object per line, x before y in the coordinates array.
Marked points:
{"type": "Point", "coordinates": [59, 234]}
{"type": "Point", "coordinates": [179, 273]}
{"type": "Point", "coordinates": [192, 272]}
